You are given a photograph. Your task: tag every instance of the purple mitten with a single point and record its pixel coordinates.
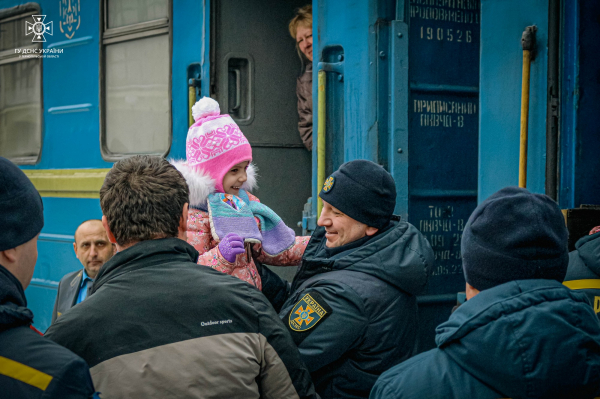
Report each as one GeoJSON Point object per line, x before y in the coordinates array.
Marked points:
{"type": "Point", "coordinates": [231, 246]}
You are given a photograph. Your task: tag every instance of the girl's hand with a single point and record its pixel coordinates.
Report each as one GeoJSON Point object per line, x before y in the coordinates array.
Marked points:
{"type": "Point", "coordinates": [231, 246]}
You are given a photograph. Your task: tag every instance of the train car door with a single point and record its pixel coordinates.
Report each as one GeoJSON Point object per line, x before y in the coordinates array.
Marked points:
{"type": "Point", "coordinates": [442, 143]}
{"type": "Point", "coordinates": [254, 67]}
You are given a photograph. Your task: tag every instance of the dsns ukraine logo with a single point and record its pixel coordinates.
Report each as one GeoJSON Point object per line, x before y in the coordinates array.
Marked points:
{"type": "Point", "coordinates": [38, 28]}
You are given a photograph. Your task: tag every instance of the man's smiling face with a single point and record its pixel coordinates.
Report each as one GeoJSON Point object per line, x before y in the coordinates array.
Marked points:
{"type": "Point", "coordinates": [340, 228]}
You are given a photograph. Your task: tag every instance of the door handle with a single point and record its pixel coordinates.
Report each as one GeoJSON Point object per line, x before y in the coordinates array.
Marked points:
{"type": "Point", "coordinates": [238, 90]}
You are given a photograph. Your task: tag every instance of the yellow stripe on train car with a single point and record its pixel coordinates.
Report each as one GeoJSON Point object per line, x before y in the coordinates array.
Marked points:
{"type": "Point", "coordinates": [67, 183]}
{"type": "Point", "coordinates": [23, 373]}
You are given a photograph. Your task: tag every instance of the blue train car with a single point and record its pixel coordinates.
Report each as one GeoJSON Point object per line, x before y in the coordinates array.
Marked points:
{"type": "Point", "coordinates": [83, 84]}
{"type": "Point", "coordinates": [430, 89]}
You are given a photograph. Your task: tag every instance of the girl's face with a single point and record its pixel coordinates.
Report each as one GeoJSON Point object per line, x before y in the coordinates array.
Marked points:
{"type": "Point", "coordinates": [233, 180]}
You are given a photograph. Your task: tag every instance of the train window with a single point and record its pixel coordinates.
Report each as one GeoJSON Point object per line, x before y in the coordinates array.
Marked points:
{"type": "Point", "coordinates": [123, 13]}
{"type": "Point", "coordinates": [20, 91]}
{"type": "Point", "coordinates": [136, 78]}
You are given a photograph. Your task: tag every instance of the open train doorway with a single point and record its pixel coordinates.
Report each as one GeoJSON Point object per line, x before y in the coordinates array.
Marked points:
{"type": "Point", "coordinates": [254, 67]}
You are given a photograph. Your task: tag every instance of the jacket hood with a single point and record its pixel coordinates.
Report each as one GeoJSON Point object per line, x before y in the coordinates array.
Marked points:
{"type": "Point", "coordinates": [399, 255]}
{"type": "Point", "coordinates": [527, 339]}
{"type": "Point", "coordinates": [589, 251]}
{"type": "Point", "coordinates": [13, 305]}
{"type": "Point", "coordinates": [201, 185]}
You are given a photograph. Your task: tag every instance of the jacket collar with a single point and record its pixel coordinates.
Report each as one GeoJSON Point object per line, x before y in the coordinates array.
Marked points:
{"type": "Point", "coordinates": [319, 259]}
{"type": "Point", "coordinates": [316, 251]}
{"type": "Point", "coordinates": [143, 254]}
{"type": "Point", "coordinates": [13, 304]}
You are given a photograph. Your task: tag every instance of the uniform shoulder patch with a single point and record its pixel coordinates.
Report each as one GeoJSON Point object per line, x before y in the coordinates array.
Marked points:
{"type": "Point", "coordinates": [306, 314]}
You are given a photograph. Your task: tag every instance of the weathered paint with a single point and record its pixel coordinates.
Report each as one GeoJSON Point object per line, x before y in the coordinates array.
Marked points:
{"type": "Point", "coordinates": [502, 24]}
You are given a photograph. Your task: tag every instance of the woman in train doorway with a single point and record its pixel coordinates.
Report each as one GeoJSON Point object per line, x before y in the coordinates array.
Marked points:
{"type": "Point", "coordinates": [301, 30]}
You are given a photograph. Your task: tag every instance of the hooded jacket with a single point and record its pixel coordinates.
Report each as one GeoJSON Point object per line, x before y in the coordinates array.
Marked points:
{"type": "Point", "coordinates": [32, 366]}
{"type": "Point", "coordinates": [368, 293]}
{"type": "Point", "coordinates": [583, 273]}
{"type": "Point", "coordinates": [156, 325]}
{"type": "Point", "coordinates": [521, 339]}
{"type": "Point", "coordinates": [199, 234]}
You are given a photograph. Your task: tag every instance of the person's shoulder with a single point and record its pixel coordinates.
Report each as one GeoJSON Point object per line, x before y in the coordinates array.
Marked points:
{"type": "Point", "coordinates": [405, 380]}
{"type": "Point", "coordinates": [36, 351]}
{"type": "Point", "coordinates": [73, 325]}
{"type": "Point", "coordinates": [334, 293]}
{"type": "Point", "coordinates": [54, 369]}
{"type": "Point", "coordinates": [68, 278]}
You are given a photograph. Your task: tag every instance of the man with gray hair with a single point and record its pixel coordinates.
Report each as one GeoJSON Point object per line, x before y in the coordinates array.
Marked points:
{"type": "Point", "coordinates": [158, 325]}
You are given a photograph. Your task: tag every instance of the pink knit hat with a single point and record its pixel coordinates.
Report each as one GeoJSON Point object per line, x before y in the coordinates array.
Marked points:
{"type": "Point", "coordinates": [215, 143]}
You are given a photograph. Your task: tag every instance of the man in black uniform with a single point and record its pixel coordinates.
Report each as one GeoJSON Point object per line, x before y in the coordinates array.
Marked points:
{"type": "Point", "coordinates": [351, 308]}
{"type": "Point", "coordinates": [583, 273]}
{"type": "Point", "coordinates": [30, 365]}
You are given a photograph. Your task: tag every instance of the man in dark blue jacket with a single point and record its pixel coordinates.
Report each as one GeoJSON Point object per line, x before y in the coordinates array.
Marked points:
{"type": "Point", "coordinates": [30, 365]}
{"type": "Point", "coordinates": [583, 273]}
{"type": "Point", "coordinates": [352, 309]}
{"type": "Point", "coordinates": [521, 333]}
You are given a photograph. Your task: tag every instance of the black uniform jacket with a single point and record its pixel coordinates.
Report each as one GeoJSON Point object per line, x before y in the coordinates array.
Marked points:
{"type": "Point", "coordinates": [352, 310]}
{"type": "Point", "coordinates": [583, 273]}
{"type": "Point", "coordinates": [32, 366]}
{"type": "Point", "coordinates": [158, 325]}
{"type": "Point", "coordinates": [68, 291]}
{"type": "Point", "coordinates": [525, 339]}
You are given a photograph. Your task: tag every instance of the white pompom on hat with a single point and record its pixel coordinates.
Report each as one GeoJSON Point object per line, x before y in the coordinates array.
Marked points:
{"type": "Point", "coordinates": [204, 108]}
{"type": "Point", "coordinates": [214, 142]}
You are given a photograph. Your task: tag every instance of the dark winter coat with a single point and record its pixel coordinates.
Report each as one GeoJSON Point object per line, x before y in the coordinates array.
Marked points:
{"type": "Point", "coordinates": [368, 293]}
{"type": "Point", "coordinates": [522, 339]}
{"type": "Point", "coordinates": [158, 325]}
{"type": "Point", "coordinates": [32, 366]}
{"type": "Point", "coordinates": [583, 273]}
{"type": "Point", "coordinates": [305, 106]}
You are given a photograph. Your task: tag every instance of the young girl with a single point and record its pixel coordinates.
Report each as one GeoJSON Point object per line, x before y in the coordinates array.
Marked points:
{"type": "Point", "coordinates": [218, 171]}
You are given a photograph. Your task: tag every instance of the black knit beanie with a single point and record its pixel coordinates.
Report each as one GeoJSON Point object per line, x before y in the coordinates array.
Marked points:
{"type": "Point", "coordinates": [514, 235]}
{"type": "Point", "coordinates": [21, 209]}
{"type": "Point", "coordinates": [362, 190]}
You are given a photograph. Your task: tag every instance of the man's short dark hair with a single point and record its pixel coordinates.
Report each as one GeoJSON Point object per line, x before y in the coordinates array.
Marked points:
{"type": "Point", "coordinates": [143, 198]}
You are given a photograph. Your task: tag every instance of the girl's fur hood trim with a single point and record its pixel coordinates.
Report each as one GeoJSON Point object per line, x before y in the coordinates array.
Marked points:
{"type": "Point", "coordinates": [201, 185]}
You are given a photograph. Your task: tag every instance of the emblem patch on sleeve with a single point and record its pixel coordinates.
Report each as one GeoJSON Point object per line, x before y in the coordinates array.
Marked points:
{"type": "Point", "coordinates": [306, 314]}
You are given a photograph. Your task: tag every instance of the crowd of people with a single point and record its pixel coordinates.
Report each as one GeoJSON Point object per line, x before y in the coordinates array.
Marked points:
{"type": "Point", "coordinates": [174, 300]}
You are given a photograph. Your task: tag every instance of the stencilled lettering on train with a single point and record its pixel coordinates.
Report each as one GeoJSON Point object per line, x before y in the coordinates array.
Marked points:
{"type": "Point", "coordinates": [444, 230]}
{"type": "Point", "coordinates": [446, 31]}
{"type": "Point", "coordinates": [457, 11]}
{"type": "Point", "coordinates": [449, 35]}
{"type": "Point", "coordinates": [443, 113]}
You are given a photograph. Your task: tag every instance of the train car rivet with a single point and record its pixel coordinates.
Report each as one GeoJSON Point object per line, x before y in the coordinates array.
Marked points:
{"type": "Point", "coordinates": [399, 150]}
{"type": "Point", "coordinates": [399, 34]}
{"type": "Point", "coordinates": [382, 54]}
